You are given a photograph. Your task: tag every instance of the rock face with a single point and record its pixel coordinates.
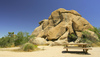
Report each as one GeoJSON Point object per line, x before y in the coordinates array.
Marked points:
{"type": "Point", "coordinates": [60, 24]}
{"type": "Point", "coordinates": [38, 41]}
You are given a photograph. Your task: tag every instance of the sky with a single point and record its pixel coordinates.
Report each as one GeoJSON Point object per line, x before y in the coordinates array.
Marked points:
{"type": "Point", "coordinates": [24, 15]}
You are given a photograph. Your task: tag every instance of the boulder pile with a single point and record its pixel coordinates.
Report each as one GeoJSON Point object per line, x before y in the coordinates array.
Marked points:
{"type": "Point", "coordinates": [60, 24]}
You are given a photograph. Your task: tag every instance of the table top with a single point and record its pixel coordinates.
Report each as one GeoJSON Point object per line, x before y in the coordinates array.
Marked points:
{"type": "Point", "coordinates": [76, 44]}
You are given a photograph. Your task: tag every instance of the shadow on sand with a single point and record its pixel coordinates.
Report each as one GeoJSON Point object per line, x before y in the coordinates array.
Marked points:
{"type": "Point", "coordinates": [76, 52]}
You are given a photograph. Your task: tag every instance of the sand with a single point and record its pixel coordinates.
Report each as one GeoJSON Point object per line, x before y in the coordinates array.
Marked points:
{"type": "Point", "coordinates": [55, 51]}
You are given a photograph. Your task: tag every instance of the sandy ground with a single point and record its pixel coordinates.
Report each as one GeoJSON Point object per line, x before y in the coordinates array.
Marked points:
{"type": "Point", "coordinates": [55, 51]}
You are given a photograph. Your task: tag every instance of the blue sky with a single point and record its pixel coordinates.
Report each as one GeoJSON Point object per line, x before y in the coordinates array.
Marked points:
{"type": "Point", "coordinates": [24, 15]}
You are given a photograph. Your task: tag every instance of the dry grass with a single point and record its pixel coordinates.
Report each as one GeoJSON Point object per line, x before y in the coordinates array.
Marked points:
{"type": "Point", "coordinates": [19, 50]}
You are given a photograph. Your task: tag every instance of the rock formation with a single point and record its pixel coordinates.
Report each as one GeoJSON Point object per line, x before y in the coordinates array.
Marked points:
{"type": "Point", "coordinates": [60, 24]}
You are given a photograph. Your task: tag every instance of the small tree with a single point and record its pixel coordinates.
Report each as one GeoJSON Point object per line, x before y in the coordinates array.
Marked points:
{"type": "Point", "coordinates": [21, 38]}
{"type": "Point", "coordinates": [7, 41]}
{"type": "Point", "coordinates": [11, 34]}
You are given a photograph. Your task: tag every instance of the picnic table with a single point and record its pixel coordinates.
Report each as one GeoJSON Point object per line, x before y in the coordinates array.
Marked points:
{"type": "Point", "coordinates": [83, 46]}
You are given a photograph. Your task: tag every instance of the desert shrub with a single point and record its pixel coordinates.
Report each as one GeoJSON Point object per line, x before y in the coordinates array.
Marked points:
{"type": "Point", "coordinates": [72, 37]}
{"type": "Point", "coordinates": [86, 34]}
{"type": "Point", "coordinates": [87, 38]}
{"type": "Point", "coordinates": [21, 38]}
{"type": "Point", "coordinates": [96, 30]}
{"type": "Point", "coordinates": [14, 40]}
{"type": "Point", "coordinates": [28, 47]}
{"type": "Point", "coordinates": [7, 41]}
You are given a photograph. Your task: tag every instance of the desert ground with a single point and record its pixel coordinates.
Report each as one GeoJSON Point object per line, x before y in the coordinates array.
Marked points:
{"type": "Point", "coordinates": [50, 51]}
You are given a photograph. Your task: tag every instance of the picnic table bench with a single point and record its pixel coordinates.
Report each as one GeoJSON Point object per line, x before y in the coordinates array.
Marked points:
{"type": "Point", "coordinates": [77, 46]}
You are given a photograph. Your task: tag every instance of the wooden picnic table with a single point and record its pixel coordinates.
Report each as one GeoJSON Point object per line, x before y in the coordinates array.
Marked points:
{"type": "Point", "coordinates": [77, 46]}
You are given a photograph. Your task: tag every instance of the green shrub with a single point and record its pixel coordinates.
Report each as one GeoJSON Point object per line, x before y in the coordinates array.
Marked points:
{"type": "Point", "coordinates": [72, 37]}
{"type": "Point", "coordinates": [21, 38]}
{"type": "Point", "coordinates": [6, 41]}
{"type": "Point", "coordinates": [96, 30]}
{"type": "Point", "coordinates": [88, 38]}
{"type": "Point", "coordinates": [28, 47]}
{"type": "Point", "coordinates": [14, 40]}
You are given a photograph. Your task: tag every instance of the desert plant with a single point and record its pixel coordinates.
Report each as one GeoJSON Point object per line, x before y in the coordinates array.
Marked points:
{"type": "Point", "coordinates": [28, 47]}
{"type": "Point", "coordinates": [72, 37]}
{"type": "Point", "coordinates": [88, 38]}
{"type": "Point", "coordinates": [6, 41]}
{"type": "Point", "coordinates": [14, 40]}
{"type": "Point", "coordinates": [96, 30]}
{"type": "Point", "coordinates": [86, 34]}
{"type": "Point", "coordinates": [21, 38]}
{"type": "Point", "coordinates": [11, 34]}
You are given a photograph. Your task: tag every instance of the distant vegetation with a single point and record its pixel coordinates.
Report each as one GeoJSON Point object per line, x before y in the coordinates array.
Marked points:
{"type": "Point", "coordinates": [12, 40]}
{"type": "Point", "coordinates": [21, 38]}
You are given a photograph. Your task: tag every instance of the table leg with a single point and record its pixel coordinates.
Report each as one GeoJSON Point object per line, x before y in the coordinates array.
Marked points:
{"type": "Point", "coordinates": [83, 50]}
{"type": "Point", "coordinates": [86, 51]}
{"type": "Point", "coordinates": [67, 50]}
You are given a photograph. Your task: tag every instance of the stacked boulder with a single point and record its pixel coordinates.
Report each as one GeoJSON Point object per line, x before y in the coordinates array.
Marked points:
{"type": "Point", "coordinates": [59, 25]}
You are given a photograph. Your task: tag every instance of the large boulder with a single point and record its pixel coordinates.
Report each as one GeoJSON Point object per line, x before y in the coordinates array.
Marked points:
{"type": "Point", "coordinates": [37, 30]}
{"type": "Point", "coordinates": [38, 41]}
{"type": "Point", "coordinates": [60, 24]}
{"type": "Point", "coordinates": [60, 42]}
{"type": "Point", "coordinates": [56, 32]}
{"type": "Point", "coordinates": [45, 23]}
{"type": "Point", "coordinates": [64, 36]}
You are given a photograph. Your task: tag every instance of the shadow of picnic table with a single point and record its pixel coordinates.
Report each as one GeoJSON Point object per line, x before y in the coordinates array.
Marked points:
{"type": "Point", "coordinates": [76, 52]}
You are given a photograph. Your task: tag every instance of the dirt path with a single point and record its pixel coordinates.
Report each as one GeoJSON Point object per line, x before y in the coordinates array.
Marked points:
{"type": "Point", "coordinates": [56, 51]}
